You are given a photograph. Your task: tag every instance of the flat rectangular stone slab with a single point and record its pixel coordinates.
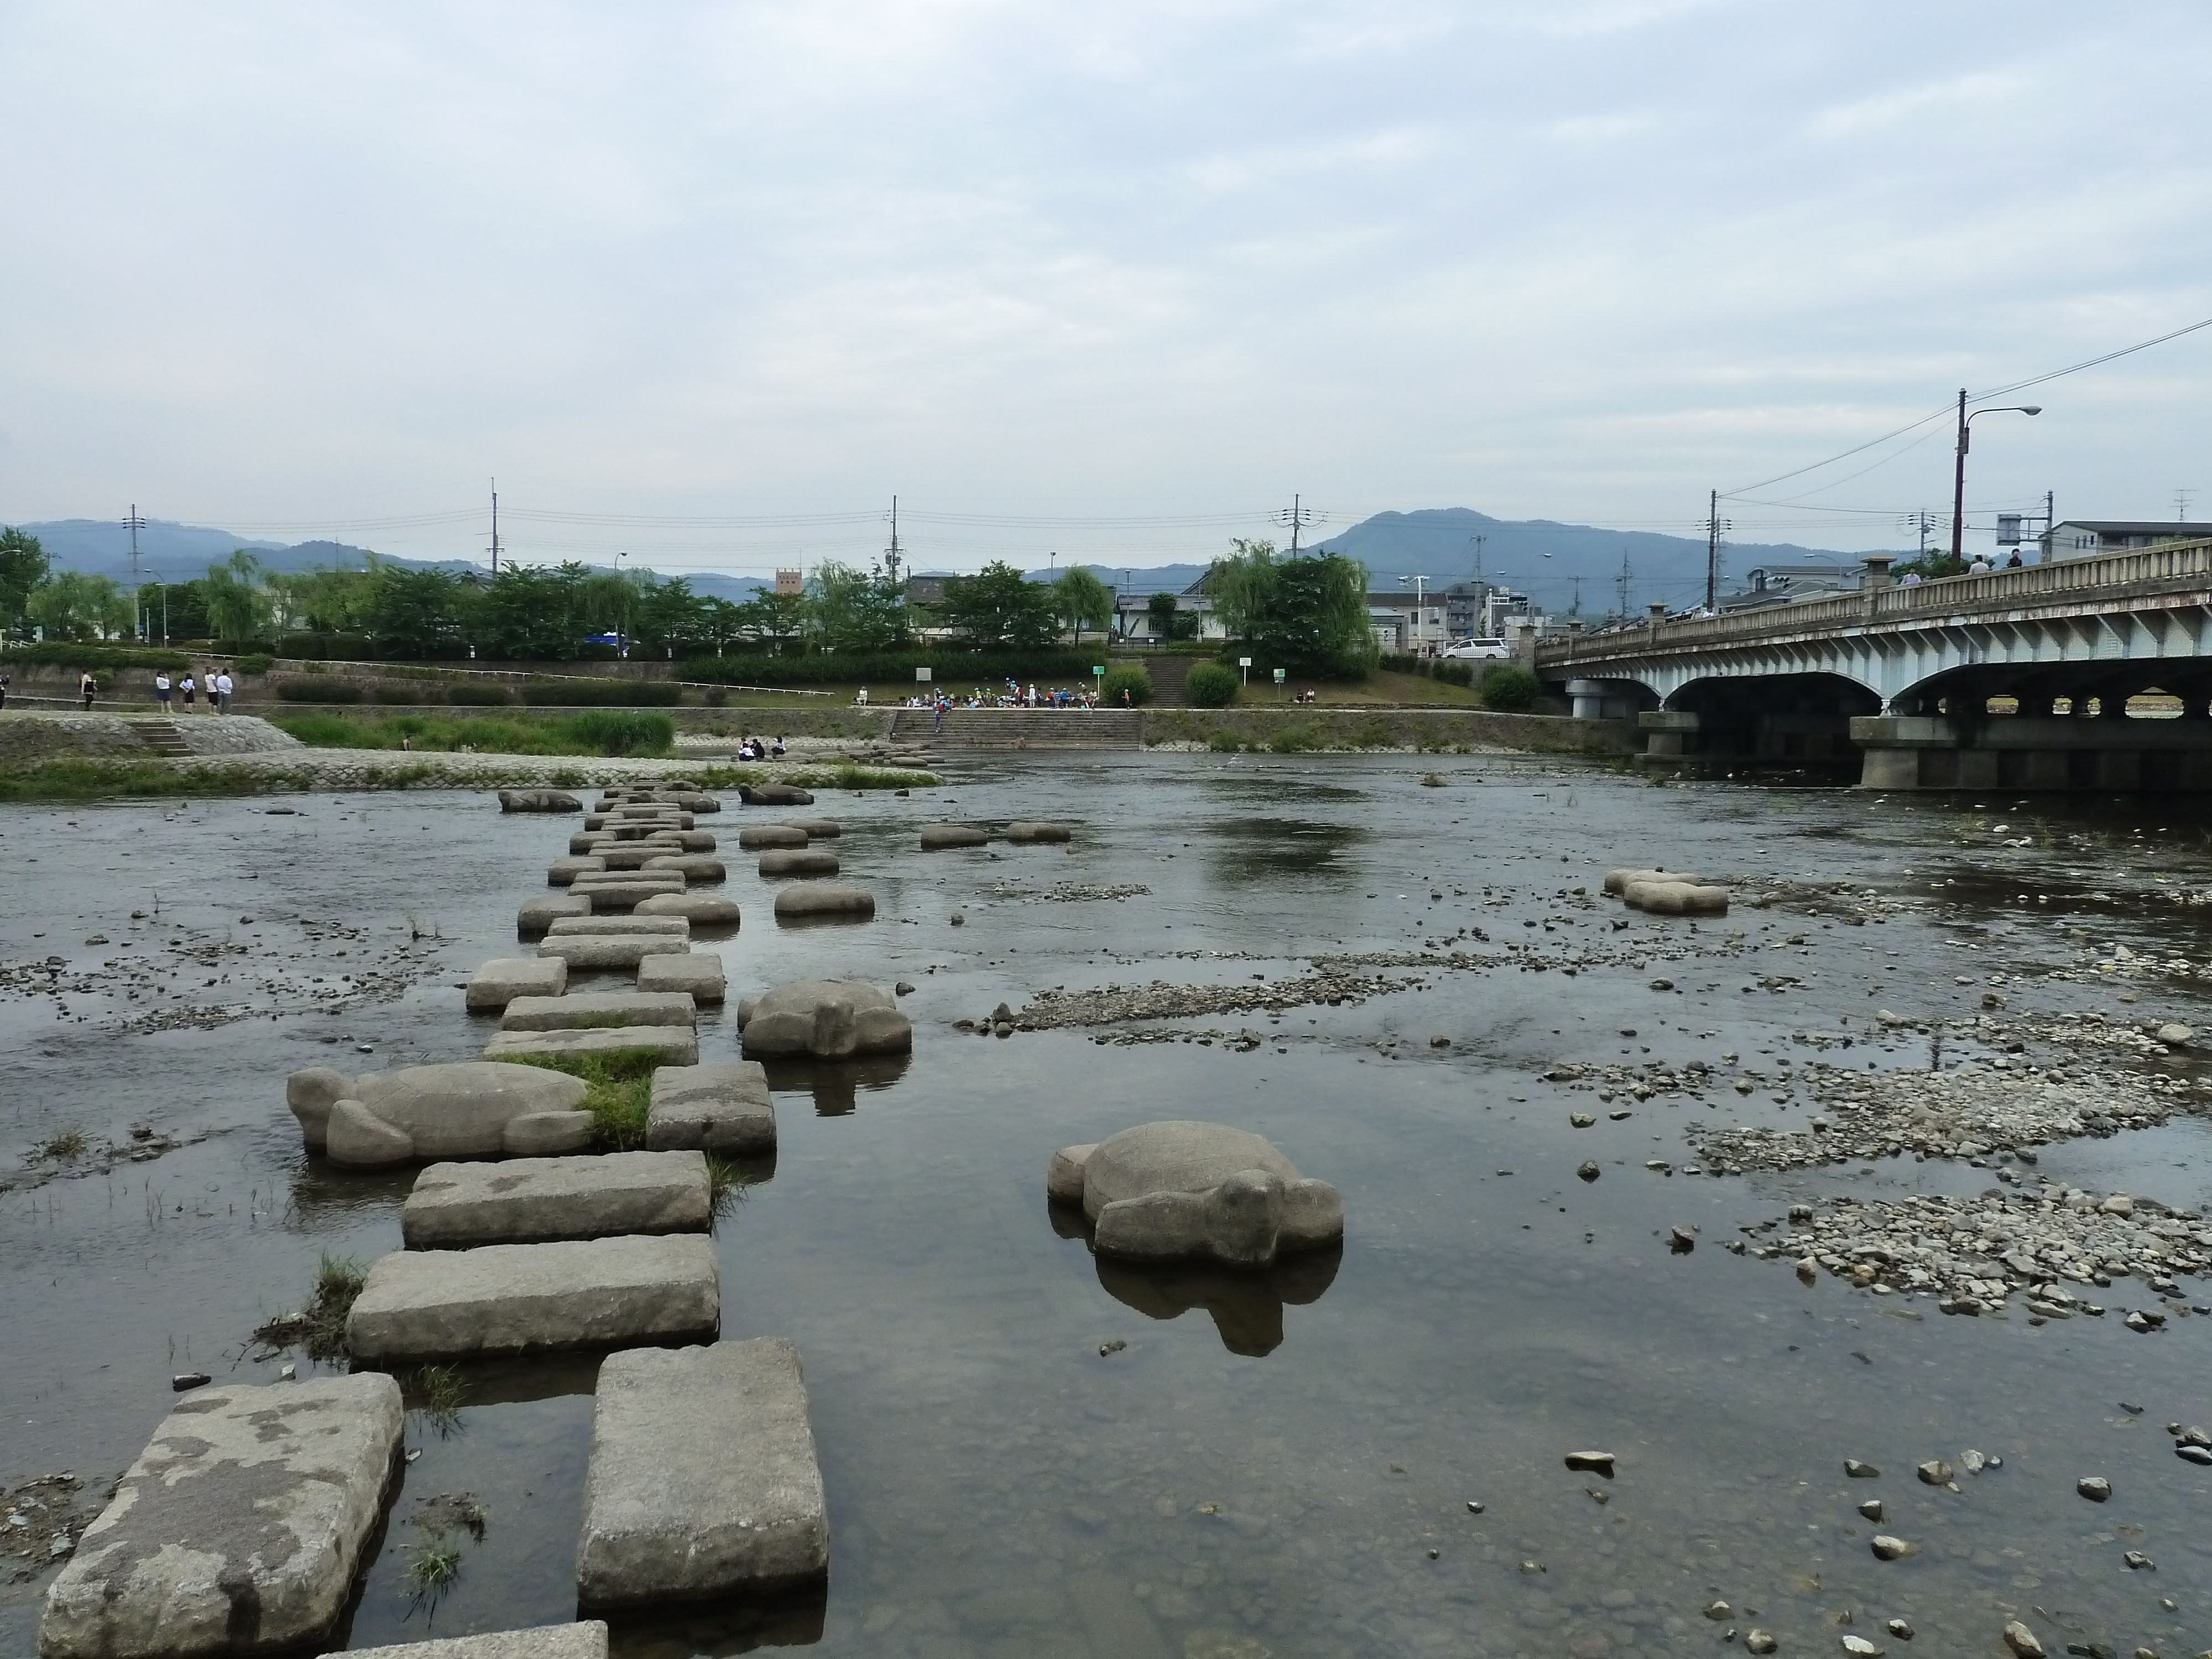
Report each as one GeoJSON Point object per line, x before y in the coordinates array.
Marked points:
{"type": "Point", "coordinates": [703, 1481]}
{"type": "Point", "coordinates": [250, 1506]}
{"type": "Point", "coordinates": [588, 1640]}
{"type": "Point", "coordinates": [601, 1008]}
{"type": "Point", "coordinates": [565, 926]}
{"type": "Point", "coordinates": [528, 1201]}
{"type": "Point", "coordinates": [621, 893]}
{"type": "Point", "coordinates": [563, 870]}
{"type": "Point", "coordinates": [538, 915]}
{"type": "Point", "coordinates": [676, 1045]}
{"type": "Point", "coordinates": [513, 1298]}
{"type": "Point", "coordinates": [723, 1109]}
{"type": "Point", "coordinates": [697, 973]}
{"type": "Point", "coordinates": [500, 981]}
{"type": "Point", "coordinates": [582, 951]}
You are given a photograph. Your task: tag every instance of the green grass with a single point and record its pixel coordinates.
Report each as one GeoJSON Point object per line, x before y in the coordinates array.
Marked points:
{"type": "Point", "coordinates": [94, 780]}
{"type": "Point", "coordinates": [617, 1089]}
{"type": "Point", "coordinates": [440, 1391]}
{"type": "Point", "coordinates": [69, 1144]}
{"type": "Point", "coordinates": [587, 731]}
{"type": "Point", "coordinates": [320, 1327]}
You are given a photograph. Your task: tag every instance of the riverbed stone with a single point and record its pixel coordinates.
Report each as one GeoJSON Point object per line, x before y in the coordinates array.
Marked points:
{"type": "Point", "coordinates": [459, 1109]}
{"type": "Point", "coordinates": [420, 1305]}
{"type": "Point", "coordinates": [759, 837]}
{"type": "Point", "coordinates": [607, 950]}
{"type": "Point", "coordinates": [600, 1008]}
{"type": "Point", "coordinates": [723, 1107]}
{"type": "Point", "coordinates": [528, 1201]}
{"type": "Point", "coordinates": [697, 975]}
{"type": "Point", "coordinates": [703, 1481]}
{"type": "Point", "coordinates": [701, 910]}
{"type": "Point", "coordinates": [797, 861]}
{"type": "Point", "coordinates": [937, 837]}
{"type": "Point", "coordinates": [1025, 830]}
{"type": "Point", "coordinates": [538, 800]}
{"type": "Point", "coordinates": [633, 926]}
{"type": "Point", "coordinates": [675, 1045]}
{"type": "Point", "coordinates": [499, 981]}
{"type": "Point", "coordinates": [692, 867]}
{"type": "Point", "coordinates": [1617, 882]}
{"type": "Point", "coordinates": [806, 900]}
{"type": "Point", "coordinates": [773, 795]}
{"type": "Point", "coordinates": [1172, 1190]}
{"type": "Point", "coordinates": [538, 915]}
{"type": "Point", "coordinates": [565, 869]}
{"type": "Point", "coordinates": [584, 1640]}
{"type": "Point", "coordinates": [1676, 898]}
{"type": "Point", "coordinates": [826, 1018]}
{"type": "Point", "coordinates": [241, 1528]}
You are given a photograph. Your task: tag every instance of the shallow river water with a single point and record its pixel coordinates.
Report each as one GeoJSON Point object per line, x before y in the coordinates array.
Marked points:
{"type": "Point", "coordinates": [1027, 1455]}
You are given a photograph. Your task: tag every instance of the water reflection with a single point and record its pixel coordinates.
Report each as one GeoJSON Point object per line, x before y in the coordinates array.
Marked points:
{"type": "Point", "coordinates": [712, 1630]}
{"type": "Point", "coordinates": [1262, 849]}
{"type": "Point", "coordinates": [837, 1085]}
{"type": "Point", "coordinates": [1246, 1304]}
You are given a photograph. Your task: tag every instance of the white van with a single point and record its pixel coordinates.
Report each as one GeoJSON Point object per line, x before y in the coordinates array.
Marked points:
{"type": "Point", "coordinates": [1478, 651]}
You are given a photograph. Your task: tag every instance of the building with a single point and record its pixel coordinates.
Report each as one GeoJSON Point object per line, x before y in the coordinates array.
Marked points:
{"type": "Point", "coordinates": [2086, 539]}
{"type": "Point", "coordinates": [1786, 584]}
{"type": "Point", "coordinates": [791, 581]}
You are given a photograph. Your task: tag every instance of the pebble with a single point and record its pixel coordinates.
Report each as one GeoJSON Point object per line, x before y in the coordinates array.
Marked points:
{"type": "Point", "coordinates": [1972, 1462]}
{"type": "Point", "coordinates": [1589, 1171]}
{"type": "Point", "coordinates": [1473, 1506]}
{"type": "Point", "coordinates": [1859, 1471]}
{"type": "Point", "coordinates": [1893, 1549]}
{"type": "Point", "coordinates": [1718, 1610]}
{"type": "Point", "coordinates": [1934, 1473]}
{"type": "Point", "coordinates": [1759, 1641]}
{"type": "Point", "coordinates": [1871, 1510]}
{"type": "Point", "coordinates": [1860, 1645]}
{"type": "Point", "coordinates": [2138, 1562]}
{"type": "Point", "coordinates": [2094, 1487]}
{"type": "Point", "coordinates": [1899, 1629]}
{"type": "Point", "coordinates": [2024, 1642]}
{"type": "Point", "coordinates": [1581, 1120]}
{"type": "Point", "coordinates": [184, 1380]}
{"type": "Point", "coordinates": [1591, 1462]}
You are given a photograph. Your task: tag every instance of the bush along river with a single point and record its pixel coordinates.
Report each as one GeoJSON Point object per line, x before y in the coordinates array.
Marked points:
{"type": "Point", "coordinates": [1824, 1276]}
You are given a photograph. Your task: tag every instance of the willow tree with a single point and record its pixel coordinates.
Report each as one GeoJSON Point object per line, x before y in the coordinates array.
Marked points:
{"type": "Point", "coordinates": [1306, 612]}
{"type": "Point", "coordinates": [1081, 600]}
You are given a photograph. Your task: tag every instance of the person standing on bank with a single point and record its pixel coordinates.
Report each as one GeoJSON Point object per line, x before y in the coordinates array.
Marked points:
{"type": "Point", "coordinates": [86, 686]}
{"type": "Point", "coordinates": [190, 688]}
{"type": "Point", "coordinates": [162, 691]}
{"type": "Point", "coordinates": [223, 692]}
{"type": "Point", "coordinates": [3, 690]}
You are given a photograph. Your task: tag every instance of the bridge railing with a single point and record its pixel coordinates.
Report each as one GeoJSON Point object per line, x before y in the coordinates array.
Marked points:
{"type": "Point", "coordinates": [2174, 562]}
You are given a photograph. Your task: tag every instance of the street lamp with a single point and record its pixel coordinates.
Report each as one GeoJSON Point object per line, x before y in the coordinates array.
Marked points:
{"type": "Point", "coordinates": [1958, 478]}
{"type": "Point", "coordinates": [1420, 587]}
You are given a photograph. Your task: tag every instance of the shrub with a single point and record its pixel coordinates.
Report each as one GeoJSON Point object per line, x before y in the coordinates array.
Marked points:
{"type": "Point", "coordinates": [401, 696]}
{"type": "Point", "coordinates": [255, 662]}
{"type": "Point", "coordinates": [1211, 685]}
{"type": "Point", "coordinates": [302, 688]}
{"type": "Point", "coordinates": [97, 658]}
{"type": "Point", "coordinates": [1223, 742]}
{"type": "Point", "coordinates": [602, 693]}
{"type": "Point", "coordinates": [1130, 677]}
{"type": "Point", "coordinates": [478, 693]}
{"type": "Point", "coordinates": [1295, 739]}
{"type": "Point", "coordinates": [1454, 672]}
{"type": "Point", "coordinates": [343, 647]}
{"type": "Point", "coordinates": [1509, 687]}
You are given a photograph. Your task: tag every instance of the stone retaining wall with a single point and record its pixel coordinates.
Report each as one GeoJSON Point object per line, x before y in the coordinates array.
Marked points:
{"type": "Point", "coordinates": [1391, 728]}
{"type": "Point", "coordinates": [30, 735]}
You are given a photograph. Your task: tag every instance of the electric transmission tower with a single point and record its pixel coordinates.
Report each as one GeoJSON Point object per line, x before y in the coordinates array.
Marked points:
{"type": "Point", "coordinates": [135, 524]}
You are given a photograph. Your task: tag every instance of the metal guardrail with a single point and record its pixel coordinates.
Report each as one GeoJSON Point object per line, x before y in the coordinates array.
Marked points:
{"type": "Point", "coordinates": [2182, 564]}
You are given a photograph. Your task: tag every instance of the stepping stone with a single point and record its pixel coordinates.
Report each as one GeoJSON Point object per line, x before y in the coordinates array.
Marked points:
{"type": "Point", "coordinates": [598, 1009]}
{"type": "Point", "coordinates": [499, 981]}
{"type": "Point", "coordinates": [424, 1114]}
{"type": "Point", "coordinates": [817, 829]}
{"type": "Point", "coordinates": [830, 900]}
{"type": "Point", "coordinates": [826, 1018]}
{"type": "Point", "coordinates": [620, 892]}
{"type": "Point", "coordinates": [588, 1640]}
{"type": "Point", "coordinates": [703, 1481]}
{"type": "Point", "coordinates": [563, 870]}
{"type": "Point", "coordinates": [420, 1305]}
{"type": "Point", "coordinates": [528, 1201]}
{"type": "Point", "coordinates": [537, 914]}
{"type": "Point", "coordinates": [723, 1109]}
{"type": "Point", "coordinates": [1020, 831]}
{"type": "Point", "coordinates": [701, 909]}
{"type": "Point", "coordinates": [773, 795]}
{"type": "Point", "coordinates": [756, 837]}
{"type": "Point", "coordinates": [698, 973]}
{"type": "Point", "coordinates": [659, 820]}
{"type": "Point", "coordinates": [635, 855]}
{"type": "Point", "coordinates": [937, 837]}
{"type": "Point", "coordinates": [240, 1527]}
{"type": "Point", "coordinates": [537, 800]}
{"type": "Point", "coordinates": [584, 951]}
{"type": "Point", "coordinates": [799, 861]}
{"type": "Point", "coordinates": [692, 867]}
{"type": "Point", "coordinates": [693, 840]}
{"type": "Point", "coordinates": [635, 926]}
{"type": "Point", "coordinates": [675, 1045]}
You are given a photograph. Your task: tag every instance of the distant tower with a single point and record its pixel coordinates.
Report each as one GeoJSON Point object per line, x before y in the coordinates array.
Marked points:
{"type": "Point", "coordinates": [791, 581]}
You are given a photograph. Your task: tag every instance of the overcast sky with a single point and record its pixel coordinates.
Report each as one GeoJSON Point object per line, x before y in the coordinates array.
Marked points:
{"type": "Point", "coordinates": [302, 268]}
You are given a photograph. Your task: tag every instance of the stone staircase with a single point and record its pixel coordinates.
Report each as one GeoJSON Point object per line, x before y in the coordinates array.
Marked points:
{"type": "Point", "coordinates": [1020, 728]}
{"type": "Point", "coordinates": [162, 738]}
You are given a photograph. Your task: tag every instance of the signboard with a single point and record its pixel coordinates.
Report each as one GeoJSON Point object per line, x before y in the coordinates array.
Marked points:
{"type": "Point", "coordinates": [1278, 676]}
{"type": "Point", "coordinates": [922, 676]}
{"type": "Point", "coordinates": [1243, 662]}
{"type": "Point", "coordinates": [1097, 669]}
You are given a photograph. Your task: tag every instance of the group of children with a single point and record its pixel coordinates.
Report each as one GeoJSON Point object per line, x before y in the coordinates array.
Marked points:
{"type": "Point", "coordinates": [760, 749]}
{"type": "Point", "coordinates": [216, 683]}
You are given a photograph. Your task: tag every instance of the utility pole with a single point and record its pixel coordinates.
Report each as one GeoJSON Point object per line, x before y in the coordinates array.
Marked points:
{"type": "Point", "coordinates": [1959, 491]}
{"type": "Point", "coordinates": [891, 554]}
{"type": "Point", "coordinates": [2181, 505]}
{"type": "Point", "coordinates": [1620, 585]}
{"type": "Point", "coordinates": [1297, 518]}
{"type": "Point", "coordinates": [1575, 608]}
{"type": "Point", "coordinates": [138, 621]}
{"type": "Point", "coordinates": [1714, 525]}
{"type": "Point", "coordinates": [494, 527]}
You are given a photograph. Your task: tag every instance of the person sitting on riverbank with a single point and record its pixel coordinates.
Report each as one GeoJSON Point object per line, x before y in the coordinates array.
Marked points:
{"type": "Point", "coordinates": [777, 751]}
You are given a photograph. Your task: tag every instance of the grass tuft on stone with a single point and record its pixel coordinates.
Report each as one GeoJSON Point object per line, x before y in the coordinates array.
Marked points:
{"type": "Point", "coordinates": [69, 1144]}
{"type": "Point", "coordinates": [617, 1089]}
{"type": "Point", "coordinates": [318, 1329]}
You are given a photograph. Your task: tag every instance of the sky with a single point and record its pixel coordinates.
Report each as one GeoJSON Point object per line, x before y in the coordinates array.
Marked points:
{"type": "Point", "coordinates": [711, 283]}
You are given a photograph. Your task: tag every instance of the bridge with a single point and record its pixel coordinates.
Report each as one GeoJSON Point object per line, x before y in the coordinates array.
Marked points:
{"type": "Point", "coordinates": [2083, 674]}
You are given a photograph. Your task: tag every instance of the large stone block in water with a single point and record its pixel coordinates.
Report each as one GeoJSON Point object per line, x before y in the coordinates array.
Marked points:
{"type": "Point", "coordinates": [563, 870]}
{"type": "Point", "coordinates": [500, 981]}
{"type": "Point", "coordinates": [1022, 830]}
{"type": "Point", "coordinates": [723, 1109]}
{"type": "Point", "coordinates": [773, 795]}
{"type": "Point", "coordinates": [632, 854]}
{"type": "Point", "coordinates": [797, 861]}
{"type": "Point", "coordinates": [701, 910]}
{"type": "Point", "coordinates": [703, 1481]}
{"type": "Point", "coordinates": [537, 800]}
{"type": "Point", "coordinates": [697, 975]}
{"type": "Point", "coordinates": [1676, 898]}
{"type": "Point", "coordinates": [239, 1529]}
{"type": "Point", "coordinates": [692, 867]}
{"type": "Point", "coordinates": [600, 1008]}
{"type": "Point", "coordinates": [826, 1018]}
{"type": "Point", "coordinates": [538, 915]}
{"type": "Point", "coordinates": [420, 1305]}
{"type": "Point", "coordinates": [632, 925]}
{"type": "Point", "coordinates": [526, 1200]}
{"type": "Point", "coordinates": [1616, 881]}
{"type": "Point", "coordinates": [935, 837]}
{"type": "Point", "coordinates": [671, 1045]}
{"type": "Point", "coordinates": [471, 1108]}
{"type": "Point", "coordinates": [816, 828]}
{"type": "Point", "coordinates": [606, 951]}
{"type": "Point", "coordinates": [758, 837]}
{"type": "Point", "coordinates": [833, 901]}
{"type": "Point", "coordinates": [621, 890]}
{"type": "Point", "coordinates": [1170, 1191]}
{"type": "Point", "coordinates": [586, 1640]}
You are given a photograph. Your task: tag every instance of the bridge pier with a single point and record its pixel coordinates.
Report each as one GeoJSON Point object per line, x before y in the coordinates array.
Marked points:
{"type": "Point", "coordinates": [2107, 753]}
